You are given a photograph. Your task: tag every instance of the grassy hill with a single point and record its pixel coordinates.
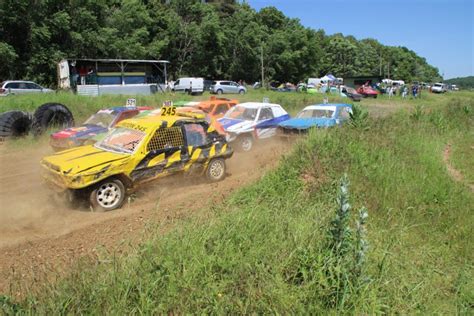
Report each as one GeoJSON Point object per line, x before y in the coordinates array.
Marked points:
{"type": "Point", "coordinates": [278, 246]}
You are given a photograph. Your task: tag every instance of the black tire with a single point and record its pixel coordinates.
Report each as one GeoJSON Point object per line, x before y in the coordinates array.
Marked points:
{"type": "Point", "coordinates": [51, 115]}
{"type": "Point", "coordinates": [216, 170]}
{"type": "Point", "coordinates": [245, 143]}
{"type": "Point", "coordinates": [107, 195]}
{"type": "Point", "coordinates": [15, 124]}
{"type": "Point", "coordinates": [219, 91]}
{"type": "Point", "coordinates": [153, 89]}
{"type": "Point", "coordinates": [242, 92]}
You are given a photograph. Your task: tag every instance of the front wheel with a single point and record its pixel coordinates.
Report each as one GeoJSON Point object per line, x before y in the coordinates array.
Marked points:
{"type": "Point", "coordinates": [242, 92]}
{"type": "Point", "coordinates": [108, 195]}
{"type": "Point", "coordinates": [216, 170]}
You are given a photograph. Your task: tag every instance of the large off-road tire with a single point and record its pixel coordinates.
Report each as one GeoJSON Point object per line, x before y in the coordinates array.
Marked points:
{"type": "Point", "coordinates": [107, 195]}
{"type": "Point", "coordinates": [216, 170]}
{"type": "Point", "coordinates": [51, 115]}
{"type": "Point", "coordinates": [245, 143]}
{"type": "Point", "coordinates": [14, 124]}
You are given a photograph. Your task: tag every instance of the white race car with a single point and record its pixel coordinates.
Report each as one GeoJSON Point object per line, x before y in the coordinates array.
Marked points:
{"type": "Point", "coordinates": [246, 122]}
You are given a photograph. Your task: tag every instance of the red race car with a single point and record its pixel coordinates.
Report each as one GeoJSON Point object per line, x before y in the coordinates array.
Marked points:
{"type": "Point", "coordinates": [367, 91]}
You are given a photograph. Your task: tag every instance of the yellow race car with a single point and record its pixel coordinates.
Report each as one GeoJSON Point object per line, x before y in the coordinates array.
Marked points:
{"type": "Point", "coordinates": [136, 151]}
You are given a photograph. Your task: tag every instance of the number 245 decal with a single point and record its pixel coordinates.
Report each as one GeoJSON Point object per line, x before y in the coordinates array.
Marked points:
{"type": "Point", "coordinates": [168, 111]}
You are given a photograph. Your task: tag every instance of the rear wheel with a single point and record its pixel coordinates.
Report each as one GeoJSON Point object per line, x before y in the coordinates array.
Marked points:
{"type": "Point", "coordinates": [108, 195]}
{"type": "Point", "coordinates": [216, 170]}
{"type": "Point", "coordinates": [219, 92]}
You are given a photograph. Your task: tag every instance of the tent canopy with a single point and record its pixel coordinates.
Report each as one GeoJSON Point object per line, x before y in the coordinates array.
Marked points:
{"type": "Point", "coordinates": [328, 77]}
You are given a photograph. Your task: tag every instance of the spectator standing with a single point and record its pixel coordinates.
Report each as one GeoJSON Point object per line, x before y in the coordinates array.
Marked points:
{"type": "Point", "coordinates": [83, 74]}
{"type": "Point", "coordinates": [390, 92]}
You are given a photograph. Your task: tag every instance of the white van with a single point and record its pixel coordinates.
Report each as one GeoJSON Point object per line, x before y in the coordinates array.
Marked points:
{"type": "Point", "coordinates": [189, 85]}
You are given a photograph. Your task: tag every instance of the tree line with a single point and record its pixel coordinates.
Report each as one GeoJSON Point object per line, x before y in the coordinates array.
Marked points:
{"type": "Point", "coordinates": [222, 40]}
{"type": "Point", "coordinates": [462, 82]}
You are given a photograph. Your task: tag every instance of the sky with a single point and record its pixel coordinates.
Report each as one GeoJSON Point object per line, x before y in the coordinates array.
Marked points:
{"type": "Point", "coordinates": [442, 31]}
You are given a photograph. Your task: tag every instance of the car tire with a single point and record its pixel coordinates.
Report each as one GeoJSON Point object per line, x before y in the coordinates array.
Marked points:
{"type": "Point", "coordinates": [241, 92]}
{"type": "Point", "coordinates": [15, 124]}
{"type": "Point", "coordinates": [153, 89]}
{"type": "Point", "coordinates": [374, 96]}
{"type": "Point", "coordinates": [51, 115]}
{"type": "Point", "coordinates": [245, 143]}
{"type": "Point", "coordinates": [216, 170]}
{"type": "Point", "coordinates": [219, 91]}
{"type": "Point", "coordinates": [107, 195]}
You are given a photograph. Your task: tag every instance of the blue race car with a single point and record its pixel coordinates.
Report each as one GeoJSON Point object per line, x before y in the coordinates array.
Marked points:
{"type": "Point", "coordinates": [94, 128]}
{"type": "Point", "coordinates": [319, 115]}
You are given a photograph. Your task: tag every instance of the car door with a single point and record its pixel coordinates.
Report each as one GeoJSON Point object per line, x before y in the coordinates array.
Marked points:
{"type": "Point", "coordinates": [13, 87]}
{"type": "Point", "coordinates": [199, 148]}
{"type": "Point", "coordinates": [234, 86]}
{"type": "Point", "coordinates": [164, 153]}
{"type": "Point", "coordinates": [226, 87]}
{"type": "Point", "coordinates": [33, 88]}
{"type": "Point", "coordinates": [265, 127]}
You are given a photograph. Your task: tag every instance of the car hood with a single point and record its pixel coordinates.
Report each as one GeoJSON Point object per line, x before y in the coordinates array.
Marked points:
{"type": "Point", "coordinates": [305, 123]}
{"type": "Point", "coordinates": [81, 159]}
{"type": "Point", "coordinates": [81, 132]}
{"type": "Point", "coordinates": [236, 126]}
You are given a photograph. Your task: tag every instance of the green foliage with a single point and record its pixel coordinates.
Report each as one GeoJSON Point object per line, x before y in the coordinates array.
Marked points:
{"type": "Point", "coordinates": [359, 117]}
{"type": "Point", "coordinates": [220, 40]}
{"type": "Point", "coordinates": [462, 82]}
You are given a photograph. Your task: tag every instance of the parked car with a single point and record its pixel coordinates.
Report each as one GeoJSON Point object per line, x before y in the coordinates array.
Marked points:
{"type": "Point", "coordinates": [94, 128]}
{"type": "Point", "coordinates": [247, 122]}
{"type": "Point", "coordinates": [284, 87]}
{"type": "Point", "coordinates": [319, 115]}
{"type": "Point", "coordinates": [12, 87]}
{"type": "Point", "coordinates": [438, 88]}
{"type": "Point", "coordinates": [189, 85]}
{"type": "Point", "coordinates": [223, 86]}
{"type": "Point", "coordinates": [351, 93]}
{"type": "Point", "coordinates": [137, 151]}
{"type": "Point", "coordinates": [367, 91]}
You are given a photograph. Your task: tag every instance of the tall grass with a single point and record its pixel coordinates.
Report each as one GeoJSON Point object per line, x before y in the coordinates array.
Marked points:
{"type": "Point", "coordinates": [266, 249]}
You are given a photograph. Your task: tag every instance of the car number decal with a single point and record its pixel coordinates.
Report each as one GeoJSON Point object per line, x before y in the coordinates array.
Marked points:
{"type": "Point", "coordinates": [168, 111]}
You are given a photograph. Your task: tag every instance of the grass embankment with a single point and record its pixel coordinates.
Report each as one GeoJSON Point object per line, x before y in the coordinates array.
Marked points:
{"type": "Point", "coordinates": [265, 249]}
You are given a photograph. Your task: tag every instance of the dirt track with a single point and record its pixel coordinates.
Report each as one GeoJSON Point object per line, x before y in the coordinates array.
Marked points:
{"type": "Point", "coordinates": [39, 235]}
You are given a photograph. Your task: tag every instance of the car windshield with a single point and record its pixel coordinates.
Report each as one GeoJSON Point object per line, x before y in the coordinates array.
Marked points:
{"type": "Point", "coordinates": [122, 140]}
{"type": "Point", "coordinates": [103, 119]}
{"type": "Point", "coordinates": [242, 113]}
{"type": "Point", "coordinates": [310, 113]}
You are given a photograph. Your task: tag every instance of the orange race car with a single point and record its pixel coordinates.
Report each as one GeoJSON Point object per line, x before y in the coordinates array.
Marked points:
{"type": "Point", "coordinates": [216, 107]}
{"type": "Point", "coordinates": [190, 109]}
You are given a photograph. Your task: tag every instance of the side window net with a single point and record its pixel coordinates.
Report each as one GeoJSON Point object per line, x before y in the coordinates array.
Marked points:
{"type": "Point", "coordinates": [171, 137]}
